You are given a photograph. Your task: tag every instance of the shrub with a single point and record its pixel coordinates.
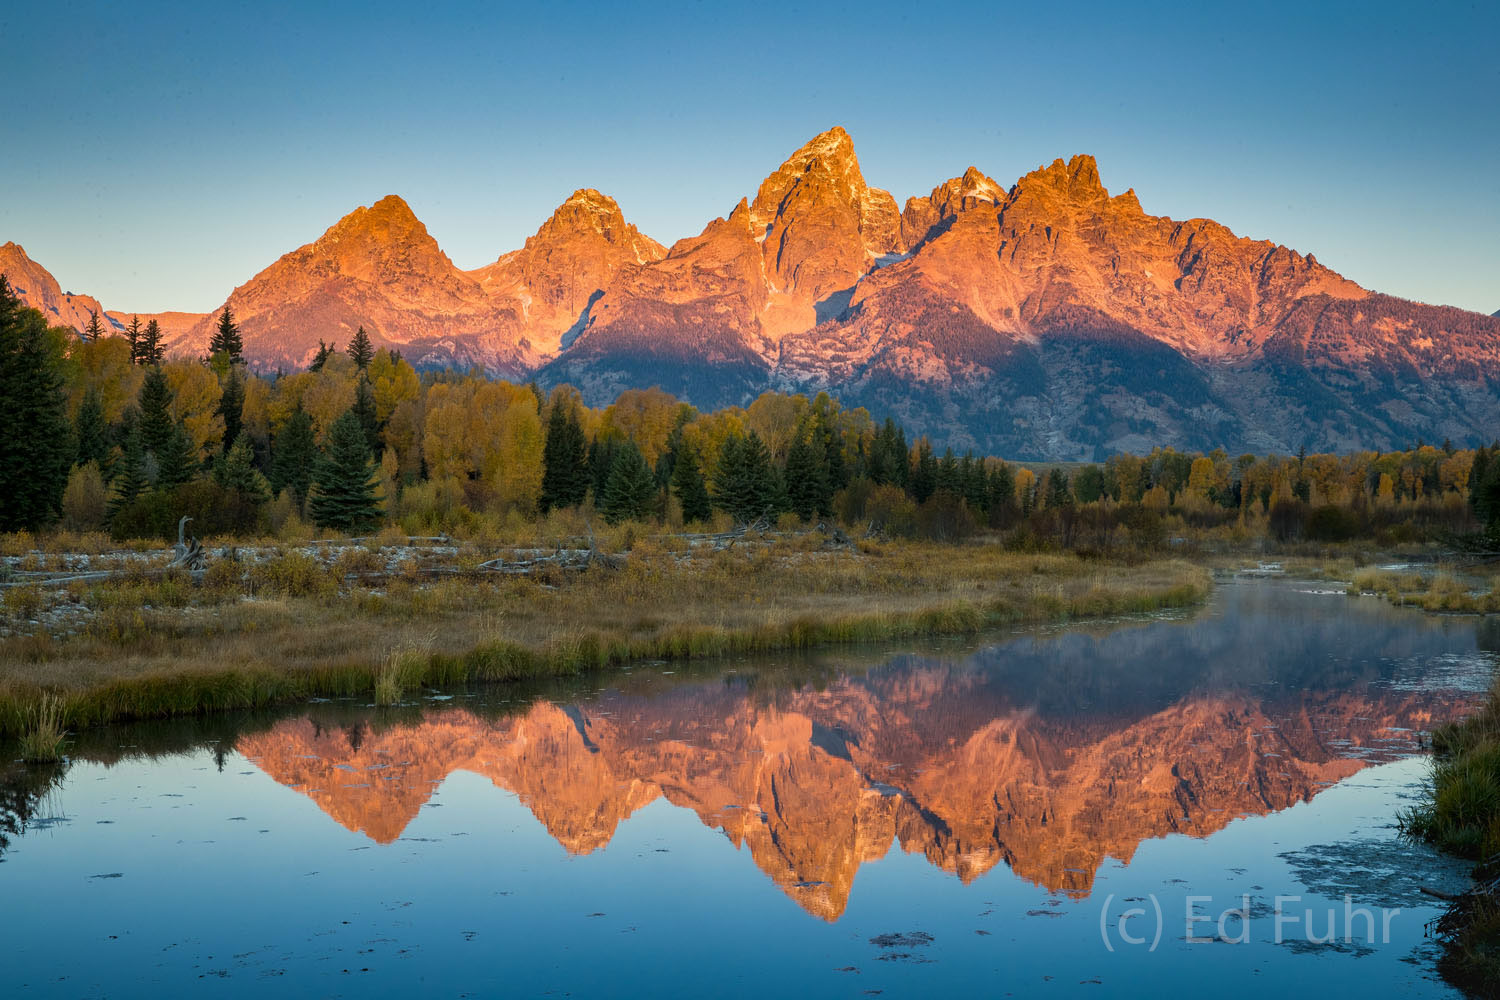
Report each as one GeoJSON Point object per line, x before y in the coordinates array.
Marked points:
{"type": "Point", "coordinates": [85, 504]}
{"type": "Point", "coordinates": [24, 602]}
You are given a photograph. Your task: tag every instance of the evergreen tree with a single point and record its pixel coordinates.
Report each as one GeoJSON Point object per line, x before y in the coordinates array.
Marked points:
{"type": "Point", "coordinates": [175, 461]}
{"type": "Point", "coordinates": [95, 330]}
{"type": "Point", "coordinates": [361, 350]}
{"type": "Point", "coordinates": [1478, 474]}
{"type": "Point", "coordinates": [1059, 494]}
{"type": "Point", "coordinates": [689, 487]}
{"type": "Point", "coordinates": [924, 473]}
{"type": "Point", "coordinates": [293, 455]}
{"type": "Point", "coordinates": [343, 484]}
{"type": "Point", "coordinates": [889, 459]}
{"type": "Point", "coordinates": [1089, 485]}
{"type": "Point", "coordinates": [630, 492]}
{"type": "Point", "coordinates": [565, 460]}
{"type": "Point", "coordinates": [324, 350]}
{"type": "Point", "coordinates": [157, 425]}
{"type": "Point", "coordinates": [130, 470]}
{"type": "Point", "coordinates": [91, 433]}
{"type": "Point", "coordinates": [745, 482]}
{"type": "Point", "coordinates": [364, 411]}
{"type": "Point", "coordinates": [809, 492]}
{"type": "Point", "coordinates": [133, 333]}
{"type": "Point", "coordinates": [1002, 490]}
{"type": "Point", "coordinates": [226, 338]}
{"type": "Point", "coordinates": [973, 486]}
{"type": "Point", "coordinates": [36, 441]}
{"type": "Point", "coordinates": [1485, 492]}
{"type": "Point", "coordinates": [232, 406]}
{"type": "Point", "coordinates": [601, 464]}
{"type": "Point", "coordinates": [237, 472]}
{"type": "Point", "coordinates": [947, 478]}
{"type": "Point", "coordinates": [152, 351]}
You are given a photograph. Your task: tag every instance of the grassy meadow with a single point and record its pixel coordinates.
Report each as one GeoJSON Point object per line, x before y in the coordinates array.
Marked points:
{"type": "Point", "coordinates": [146, 641]}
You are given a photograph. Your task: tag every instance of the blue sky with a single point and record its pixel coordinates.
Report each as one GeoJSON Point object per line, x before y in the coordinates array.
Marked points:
{"type": "Point", "coordinates": [156, 155]}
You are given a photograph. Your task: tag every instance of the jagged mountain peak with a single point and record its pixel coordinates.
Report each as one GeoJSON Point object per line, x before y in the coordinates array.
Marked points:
{"type": "Point", "coordinates": [591, 215]}
{"type": "Point", "coordinates": [1077, 179]}
{"type": "Point", "coordinates": [823, 168]}
{"type": "Point", "coordinates": [389, 220]}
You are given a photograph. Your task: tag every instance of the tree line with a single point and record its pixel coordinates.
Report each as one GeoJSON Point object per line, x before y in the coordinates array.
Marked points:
{"type": "Point", "coordinates": [103, 432]}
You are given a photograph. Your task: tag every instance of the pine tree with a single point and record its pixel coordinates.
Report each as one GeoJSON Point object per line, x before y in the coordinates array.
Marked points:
{"type": "Point", "coordinates": [237, 472]}
{"type": "Point", "coordinates": [924, 473]}
{"type": "Point", "coordinates": [157, 425]}
{"type": "Point", "coordinates": [95, 330]}
{"type": "Point", "coordinates": [226, 338]}
{"type": "Point", "coordinates": [130, 472]}
{"type": "Point", "coordinates": [1059, 492]}
{"type": "Point", "coordinates": [91, 433]}
{"type": "Point", "coordinates": [361, 350]}
{"type": "Point", "coordinates": [343, 485]}
{"type": "Point", "coordinates": [972, 482]}
{"type": "Point", "coordinates": [324, 350]}
{"type": "Point", "coordinates": [689, 487]}
{"type": "Point", "coordinates": [947, 479]}
{"type": "Point", "coordinates": [631, 490]}
{"type": "Point", "coordinates": [745, 482]}
{"type": "Point", "coordinates": [232, 406]}
{"type": "Point", "coordinates": [36, 445]}
{"type": "Point", "coordinates": [133, 332]}
{"type": "Point", "coordinates": [565, 461]}
{"type": "Point", "coordinates": [152, 351]}
{"type": "Point", "coordinates": [175, 461]}
{"type": "Point", "coordinates": [601, 464]}
{"type": "Point", "coordinates": [1478, 475]}
{"type": "Point", "coordinates": [888, 460]}
{"type": "Point", "coordinates": [293, 455]}
{"type": "Point", "coordinates": [1002, 490]}
{"type": "Point", "coordinates": [809, 492]}
{"type": "Point", "coordinates": [364, 411]}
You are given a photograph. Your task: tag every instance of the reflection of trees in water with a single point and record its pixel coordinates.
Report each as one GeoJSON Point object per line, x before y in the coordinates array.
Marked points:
{"type": "Point", "coordinates": [22, 791]}
{"type": "Point", "coordinates": [1489, 634]}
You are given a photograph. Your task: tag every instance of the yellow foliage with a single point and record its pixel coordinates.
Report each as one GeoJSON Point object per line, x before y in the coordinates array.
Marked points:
{"type": "Point", "coordinates": [104, 365]}
{"type": "Point", "coordinates": [325, 394]}
{"type": "Point", "coordinates": [775, 417]}
{"type": "Point", "coordinates": [195, 402]}
{"type": "Point", "coordinates": [645, 416]}
{"type": "Point", "coordinates": [707, 433]}
{"type": "Point", "coordinates": [394, 382]}
{"type": "Point", "coordinates": [488, 434]}
{"type": "Point", "coordinates": [255, 418]}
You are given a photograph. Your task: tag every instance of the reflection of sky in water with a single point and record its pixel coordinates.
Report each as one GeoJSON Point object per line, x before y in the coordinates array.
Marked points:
{"type": "Point", "coordinates": [252, 885]}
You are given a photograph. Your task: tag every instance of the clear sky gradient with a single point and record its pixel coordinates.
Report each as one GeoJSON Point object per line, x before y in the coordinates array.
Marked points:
{"type": "Point", "coordinates": [156, 155]}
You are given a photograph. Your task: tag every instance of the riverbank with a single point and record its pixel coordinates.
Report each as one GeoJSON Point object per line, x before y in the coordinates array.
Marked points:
{"type": "Point", "coordinates": [156, 642]}
{"type": "Point", "coordinates": [1461, 815]}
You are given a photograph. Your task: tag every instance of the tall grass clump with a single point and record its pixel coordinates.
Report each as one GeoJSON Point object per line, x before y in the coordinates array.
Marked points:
{"type": "Point", "coordinates": [42, 740]}
{"type": "Point", "coordinates": [404, 667]}
{"type": "Point", "coordinates": [1461, 815]}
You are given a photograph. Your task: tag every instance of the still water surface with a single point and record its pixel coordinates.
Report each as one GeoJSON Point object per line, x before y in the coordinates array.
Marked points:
{"type": "Point", "coordinates": [1005, 818]}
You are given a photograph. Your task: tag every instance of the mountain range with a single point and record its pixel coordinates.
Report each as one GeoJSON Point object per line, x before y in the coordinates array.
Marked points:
{"type": "Point", "coordinates": [1044, 320]}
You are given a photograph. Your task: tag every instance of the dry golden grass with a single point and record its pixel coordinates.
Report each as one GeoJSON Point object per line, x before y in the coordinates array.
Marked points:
{"type": "Point", "coordinates": [291, 628]}
{"type": "Point", "coordinates": [1443, 591]}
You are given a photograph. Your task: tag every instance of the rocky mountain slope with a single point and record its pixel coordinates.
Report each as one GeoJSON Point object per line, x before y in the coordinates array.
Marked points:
{"type": "Point", "coordinates": [36, 287]}
{"type": "Point", "coordinates": [1049, 319]}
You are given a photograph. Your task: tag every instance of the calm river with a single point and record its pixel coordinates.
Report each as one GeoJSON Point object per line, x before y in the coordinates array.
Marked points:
{"type": "Point", "coordinates": [1190, 802]}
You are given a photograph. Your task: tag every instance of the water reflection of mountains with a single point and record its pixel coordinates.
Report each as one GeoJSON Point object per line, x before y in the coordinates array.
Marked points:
{"type": "Point", "coordinates": [1047, 753]}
